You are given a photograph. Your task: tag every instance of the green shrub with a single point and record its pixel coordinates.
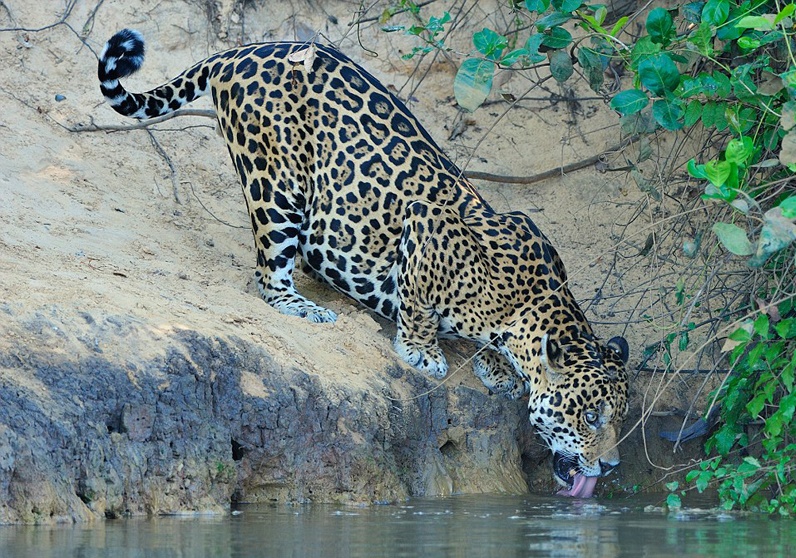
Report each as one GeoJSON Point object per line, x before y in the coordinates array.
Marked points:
{"type": "Point", "coordinates": [726, 67]}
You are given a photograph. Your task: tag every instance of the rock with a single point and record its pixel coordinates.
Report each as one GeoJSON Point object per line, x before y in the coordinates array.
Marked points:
{"type": "Point", "coordinates": [195, 422]}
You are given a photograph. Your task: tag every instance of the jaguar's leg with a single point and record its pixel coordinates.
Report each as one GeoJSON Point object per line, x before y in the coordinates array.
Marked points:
{"type": "Point", "coordinates": [497, 374]}
{"type": "Point", "coordinates": [418, 320]}
{"type": "Point", "coordinates": [276, 230]}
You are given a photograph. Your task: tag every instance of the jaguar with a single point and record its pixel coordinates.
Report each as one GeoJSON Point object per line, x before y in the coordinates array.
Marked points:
{"type": "Point", "coordinates": [335, 169]}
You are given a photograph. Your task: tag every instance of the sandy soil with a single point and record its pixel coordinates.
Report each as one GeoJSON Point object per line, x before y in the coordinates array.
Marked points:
{"type": "Point", "coordinates": [100, 222]}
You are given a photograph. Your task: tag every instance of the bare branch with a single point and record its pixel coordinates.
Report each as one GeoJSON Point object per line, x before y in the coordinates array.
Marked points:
{"type": "Point", "coordinates": [476, 175]}
{"type": "Point", "coordinates": [143, 124]}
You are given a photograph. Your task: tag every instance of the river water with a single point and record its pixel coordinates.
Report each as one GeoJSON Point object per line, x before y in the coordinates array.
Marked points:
{"type": "Point", "coordinates": [478, 526]}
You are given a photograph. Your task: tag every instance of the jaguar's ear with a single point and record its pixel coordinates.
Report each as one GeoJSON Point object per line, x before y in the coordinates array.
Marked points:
{"type": "Point", "coordinates": [550, 358]}
{"type": "Point", "coordinates": [619, 346]}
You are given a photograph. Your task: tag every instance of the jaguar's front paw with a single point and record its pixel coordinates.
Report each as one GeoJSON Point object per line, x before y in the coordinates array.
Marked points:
{"type": "Point", "coordinates": [498, 376]}
{"type": "Point", "coordinates": [428, 359]}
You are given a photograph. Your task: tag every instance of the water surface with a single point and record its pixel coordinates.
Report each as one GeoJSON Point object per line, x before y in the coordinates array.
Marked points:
{"type": "Point", "coordinates": [479, 526]}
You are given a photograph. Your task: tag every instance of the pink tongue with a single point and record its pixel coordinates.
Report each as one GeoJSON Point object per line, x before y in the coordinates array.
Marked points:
{"type": "Point", "coordinates": [582, 487]}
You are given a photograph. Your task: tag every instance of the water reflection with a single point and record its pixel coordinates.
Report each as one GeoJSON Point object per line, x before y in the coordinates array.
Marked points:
{"type": "Point", "coordinates": [482, 526]}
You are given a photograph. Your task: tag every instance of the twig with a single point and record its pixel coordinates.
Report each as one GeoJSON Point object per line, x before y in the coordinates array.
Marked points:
{"type": "Point", "coordinates": [378, 17]}
{"type": "Point", "coordinates": [476, 175]}
{"type": "Point", "coordinates": [213, 215]}
{"type": "Point", "coordinates": [143, 124]}
{"type": "Point", "coordinates": [67, 13]}
{"type": "Point", "coordinates": [172, 169]}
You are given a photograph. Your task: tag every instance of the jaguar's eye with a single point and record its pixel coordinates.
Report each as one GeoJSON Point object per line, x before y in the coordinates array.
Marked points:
{"type": "Point", "coordinates": [591, 417]}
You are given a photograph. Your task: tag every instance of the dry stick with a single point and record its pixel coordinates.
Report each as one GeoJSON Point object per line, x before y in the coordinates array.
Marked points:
{"type": "Point", "coordinates": [594, 159]}
{"type": "Point", "coordinates": [213, 215]}
{"type": "Point", "coordinates": [376, 18]}
{"type": "Point", "coordinates": [67, 12]}
{"type": "Point", "coordinates": [142, 124]}
{"type": "Point", "coordinates": [172, 169]}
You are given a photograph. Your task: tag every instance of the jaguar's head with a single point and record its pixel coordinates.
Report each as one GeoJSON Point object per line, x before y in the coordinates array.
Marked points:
{"type": "Point", "coordinates": [578, 407]}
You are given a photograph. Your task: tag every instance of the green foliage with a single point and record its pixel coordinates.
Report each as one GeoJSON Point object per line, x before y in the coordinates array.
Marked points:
{"type": "Point", "coordinates": [731, 70]}
{"type": "Point", "coordinates": [755, 446]}
{"type": "Point", "coordinates": [728, 68]}
{"type": "Point", "coordinates": [429, 31]}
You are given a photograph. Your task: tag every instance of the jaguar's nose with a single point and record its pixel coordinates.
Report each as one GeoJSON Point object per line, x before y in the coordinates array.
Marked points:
{"type": "Point", "coordinates": [606, 467]}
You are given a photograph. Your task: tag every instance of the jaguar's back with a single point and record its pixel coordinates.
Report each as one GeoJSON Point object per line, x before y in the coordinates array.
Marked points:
{"type": "Point", "coordinates": [337, 154]}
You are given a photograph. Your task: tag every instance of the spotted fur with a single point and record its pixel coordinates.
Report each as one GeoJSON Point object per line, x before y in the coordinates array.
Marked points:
{"type": "Point", "coordinates": [334, 168]}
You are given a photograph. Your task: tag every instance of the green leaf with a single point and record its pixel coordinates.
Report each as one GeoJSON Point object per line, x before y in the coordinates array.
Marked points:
{"type": "Point", "coordinates": [489, 43]}
{"type": "Point", "coordinates": [567, 6]}
{"type": "Point", "coordinates": [783, 415]}
{"type": "Point", "coordinates": [683, 343]}
{"type": "Point", "coordinates": [674, 502]}
{"type": "Point", "coordinates": [709, 114]}
{"type": "Point", "coordinates": [592, 65]}
{"type": "Point", "coordinates": [761, 23]}
{"type": "Point", "coordinates": [724, 84]}
{"type": "Point", "coordinates": [560, 65]}
{"type": "Point", "coordinates": [693, 112]}
{"type": "Point", "coordinates": [753, 462]}
{"type": "Point", "coordinates": [659, 74]}
{"type": "Point", "coordinates": [702, 481]}
{"type": "Point", "coordinates": [553, 19]}
{"type": "Point", "coordinates": [538, 6]}
{"type": "Point", "coordinates": [733, 238]}
{"type": "Point", "coordinates": [689, 87]}
{"type": "Point", "coordinates": [715, 12]}
{"type": "Point", "coordinates": [437, 24]}
{"type": "Point", "coordinates": [725, 438]}
{"type": "Point", "coordinates": [761, 326]}
{"type": "Point", "coordinates": [630, 101]}
{"type": "Point", "coordinates": [777, 233]}
{"type": "Point", "coordinates": [638, 123]}
{"type": "Point", "coordinates": [787, 375]}
{"type": "Point", "coordinates": [786, 328]}
{"type": "Point", "coordinates": [717, 172]}
{"type": "Point", "coordinates": [743, 333]}
{"type": "Point", "coordinates": [660, 26]}
{"type": "Point", "coordinates": [755, 406]}
{"type": "Point", "coordinates": [702, 39]}
{"type": "Point", "coordinates": [785, 12]}
{"type": "Point", "coordinates": [713, 115]}
{"type": "Point", "coordinates": [748, 43]}
{"type": "Point", "coordinates": [721, 116]}
{"type": "Point", "coordinates": [668, 113]}
{"type": "Point", "coordinates": [514, 56]}
{"type": "Point", "coordinates": [558, 38]}
{"type": "Point", "coordinates": [697, 171]}
{"type": "Point", "coordinates": [692, 12]}
{"type": "Point", "coordinates": [643, 49]}
{"type": "Point", "coordinates": [600, 13]}
{"type": "Point", "coordinates": [473, 83]}
{"type": "Point", "coordinates": [618, 25]}
{"type": "Point", "coordinates": [788, 207]}
{"type": "Point", "coordinates": [739, 150]}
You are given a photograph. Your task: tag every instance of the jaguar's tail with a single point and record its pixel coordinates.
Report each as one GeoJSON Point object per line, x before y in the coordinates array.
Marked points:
{"type": "Point", "coordinates": [122, 56]}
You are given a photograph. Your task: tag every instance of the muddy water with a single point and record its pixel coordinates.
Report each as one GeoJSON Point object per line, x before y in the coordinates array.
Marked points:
{"type": "Point", "coordinates": [479, 526]}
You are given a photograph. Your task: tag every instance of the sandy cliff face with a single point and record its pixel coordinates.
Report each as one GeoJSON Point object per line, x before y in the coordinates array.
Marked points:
{"type": "Point", "coordinates": [139, 370]}
{"type": "Point", "coordinates": [91, 426]}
